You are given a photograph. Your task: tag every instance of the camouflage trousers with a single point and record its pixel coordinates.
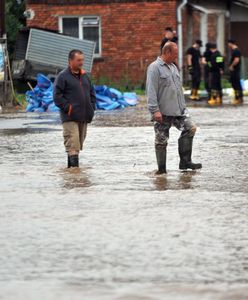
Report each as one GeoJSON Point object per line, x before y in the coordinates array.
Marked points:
{"type": "Point", "coordinates": [162, 130]}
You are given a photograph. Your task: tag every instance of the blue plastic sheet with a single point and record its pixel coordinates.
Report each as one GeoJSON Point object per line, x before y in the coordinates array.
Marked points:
{"type": "Point", "coordinates": [1, 62]}
{"type": "Point", "coordinates": [1, 58]}
{"type": "Point", "coordinates": [110, 98]}
{"type": "Point", "coordinates": [40, 99]}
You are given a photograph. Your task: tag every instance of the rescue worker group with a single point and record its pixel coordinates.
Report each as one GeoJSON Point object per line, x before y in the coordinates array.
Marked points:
{"type": "Point", "coordinates": [213, 65]}
{"type": "Point", "coordinates": [213, 68]}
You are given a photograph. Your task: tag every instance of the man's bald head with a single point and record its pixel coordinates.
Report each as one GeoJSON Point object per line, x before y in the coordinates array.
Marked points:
{"type": "Point", "coordinates": [169, 52]}
{"type": "Point", "coordinates": [169, 47]}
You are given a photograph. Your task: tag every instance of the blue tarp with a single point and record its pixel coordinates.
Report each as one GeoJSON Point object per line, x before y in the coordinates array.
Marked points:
{"type": "Point", "coordinates": [41, 98]}
{"type": "Point", "coordinates": [110, 98]}
{"type": "Point", "coordinates": [1, 59]}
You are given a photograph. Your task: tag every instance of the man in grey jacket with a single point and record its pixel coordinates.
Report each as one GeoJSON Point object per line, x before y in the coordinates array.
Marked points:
{"type": "Point", "coordinates": [167, 105]}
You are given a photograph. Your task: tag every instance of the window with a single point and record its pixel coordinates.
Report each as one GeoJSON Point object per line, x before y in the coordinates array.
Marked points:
{"type": "Point", "coordinates": [87, 28]}
{"type": "Point", "coordinates": [70, 27]}
{"type": "Point", "coordinates": [91, 30]}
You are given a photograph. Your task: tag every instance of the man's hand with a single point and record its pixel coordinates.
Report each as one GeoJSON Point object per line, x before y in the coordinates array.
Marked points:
{"type": "Point", "coordinates": [157, 116]}
{"type": "Point", "coordinates": [191, 70]}
{"type": "Point", "coordinates": [231, 68]}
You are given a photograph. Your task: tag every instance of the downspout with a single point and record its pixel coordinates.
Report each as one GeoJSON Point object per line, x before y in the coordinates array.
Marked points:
{"type": "Point", "coordinates": [180, 36]}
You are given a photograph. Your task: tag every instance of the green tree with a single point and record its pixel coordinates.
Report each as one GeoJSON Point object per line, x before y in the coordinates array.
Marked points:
{"type": "Point", "coordinates": [15, 20]}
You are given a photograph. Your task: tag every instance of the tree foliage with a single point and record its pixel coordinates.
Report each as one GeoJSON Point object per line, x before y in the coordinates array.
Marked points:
{"type": "Point", "coordinates": [15, 20]}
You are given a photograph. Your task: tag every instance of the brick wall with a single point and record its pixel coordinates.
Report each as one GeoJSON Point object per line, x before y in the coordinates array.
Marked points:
{"type": "Point", "coordinates": [131, 33]}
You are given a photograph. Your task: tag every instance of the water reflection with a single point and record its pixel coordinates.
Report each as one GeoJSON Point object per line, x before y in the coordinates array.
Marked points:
{"type": "Point", "coordinates": [161, 182]}
{"type": "Point", "coordinates": [185, 179]}
{"type": "Point", "coordinates": [174, 181]}
{"type": "Point", "coordinates": [75, 178]}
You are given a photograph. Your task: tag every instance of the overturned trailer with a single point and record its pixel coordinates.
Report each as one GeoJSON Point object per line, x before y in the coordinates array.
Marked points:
{"type": "Point", "coordinates": [40, 51]}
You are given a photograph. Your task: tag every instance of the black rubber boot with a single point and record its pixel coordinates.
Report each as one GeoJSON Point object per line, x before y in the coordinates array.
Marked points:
{"type": "Point", "coordinates": [74, 163]}
{"type": "Point", "coordinates": [161, 159]}
{"type": "Point", "coordinates": [240, 96]}
{"type": "Point", "coordinates": [68, 162]}
{"type": "Point", "coordinates": [185, 145]}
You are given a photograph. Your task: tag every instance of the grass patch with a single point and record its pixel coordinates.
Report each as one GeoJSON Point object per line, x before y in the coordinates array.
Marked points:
{"type": "Point", "coordinates": [21, 99]}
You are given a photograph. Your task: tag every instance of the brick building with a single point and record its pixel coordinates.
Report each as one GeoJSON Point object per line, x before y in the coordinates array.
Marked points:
{"type": "Point", "coordinates": [128, 32]}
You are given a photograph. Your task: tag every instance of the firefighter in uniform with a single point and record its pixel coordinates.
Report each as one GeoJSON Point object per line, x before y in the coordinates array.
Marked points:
{"type": "Point", "coordinates": [216, 65]}
{"type": "Point", "coordinates": [170, 36]}
{"type": "Point", "coordinates": [194, 68]}
{"type": "Point", "coordinates": [234, 68]}
{"type": "Point", "coordinates": [205, 61]}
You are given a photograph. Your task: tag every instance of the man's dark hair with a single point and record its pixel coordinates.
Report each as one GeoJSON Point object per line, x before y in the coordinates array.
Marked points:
{"type": "Point", "coordinates": [199, 42]}
{"type": "Point", "coordinates": [231, 41]}
{"type": "Point", "coordinates": [168, 29]}
{"type": "Point", "coordinates": [208, 45]}
{"type": "Point", "coordinates": [72, 53]}
{"type": "Point", "coordinates": [213, 46]}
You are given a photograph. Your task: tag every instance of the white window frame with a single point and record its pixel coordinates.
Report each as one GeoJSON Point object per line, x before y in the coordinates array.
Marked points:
{"type": "Point", "coordinates": [80, 28]}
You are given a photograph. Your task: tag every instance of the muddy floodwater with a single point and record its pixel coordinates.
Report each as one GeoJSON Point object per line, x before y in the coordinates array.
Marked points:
{"type": "Point", "coordinates": [112, 230]}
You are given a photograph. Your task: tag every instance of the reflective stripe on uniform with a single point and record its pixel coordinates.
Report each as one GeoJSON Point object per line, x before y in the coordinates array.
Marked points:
{"type": "Point", "coordinates": [219, 59]}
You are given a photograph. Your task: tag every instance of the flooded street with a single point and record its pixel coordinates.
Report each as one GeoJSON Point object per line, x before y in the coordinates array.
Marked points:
{"type": "Point", "coordinates": [112, 230]}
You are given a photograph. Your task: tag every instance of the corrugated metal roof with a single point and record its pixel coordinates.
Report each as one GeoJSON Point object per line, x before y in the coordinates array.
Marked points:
{"type": "Point", "coordinates": [52, 48]}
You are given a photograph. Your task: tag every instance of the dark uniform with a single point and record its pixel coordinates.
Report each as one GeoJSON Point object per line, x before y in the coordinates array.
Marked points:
{"type": "Point", "coordinates": [195, 70]}
{"type": "Point", "coordinates": [235, 75]}
{"type": "Point", "coordinates": [165, 40]}
{"type": "Point", "coordinates": [207, 55]}
{"type": "Point", "coordinates": [216, 65]}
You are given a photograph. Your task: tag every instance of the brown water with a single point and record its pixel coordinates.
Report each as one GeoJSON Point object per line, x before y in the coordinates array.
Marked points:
{"type": "Point", "coordinates": [113, 230]}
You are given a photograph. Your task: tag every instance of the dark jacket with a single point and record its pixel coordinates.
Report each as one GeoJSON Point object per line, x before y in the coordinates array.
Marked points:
{"type": "Point", "coordinates": [165, 40]}
{"type": "Point", "coordinates": [75, 96]}
{"type": "Point", "coordinates": [196, 56]}
{"type": "Point", "coordinates": [216, 62]}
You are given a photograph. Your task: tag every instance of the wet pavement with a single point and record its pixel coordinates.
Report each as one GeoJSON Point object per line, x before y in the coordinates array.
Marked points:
{"type": "Point", "coordinates": [112, 229]}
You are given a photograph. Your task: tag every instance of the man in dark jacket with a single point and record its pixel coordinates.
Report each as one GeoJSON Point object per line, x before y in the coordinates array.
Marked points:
{"type": "Point", "coordinates": [75, 96]}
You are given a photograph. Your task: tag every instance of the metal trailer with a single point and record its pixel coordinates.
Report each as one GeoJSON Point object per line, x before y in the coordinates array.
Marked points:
{"type": "Point", "coordinates": [41, 51]}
